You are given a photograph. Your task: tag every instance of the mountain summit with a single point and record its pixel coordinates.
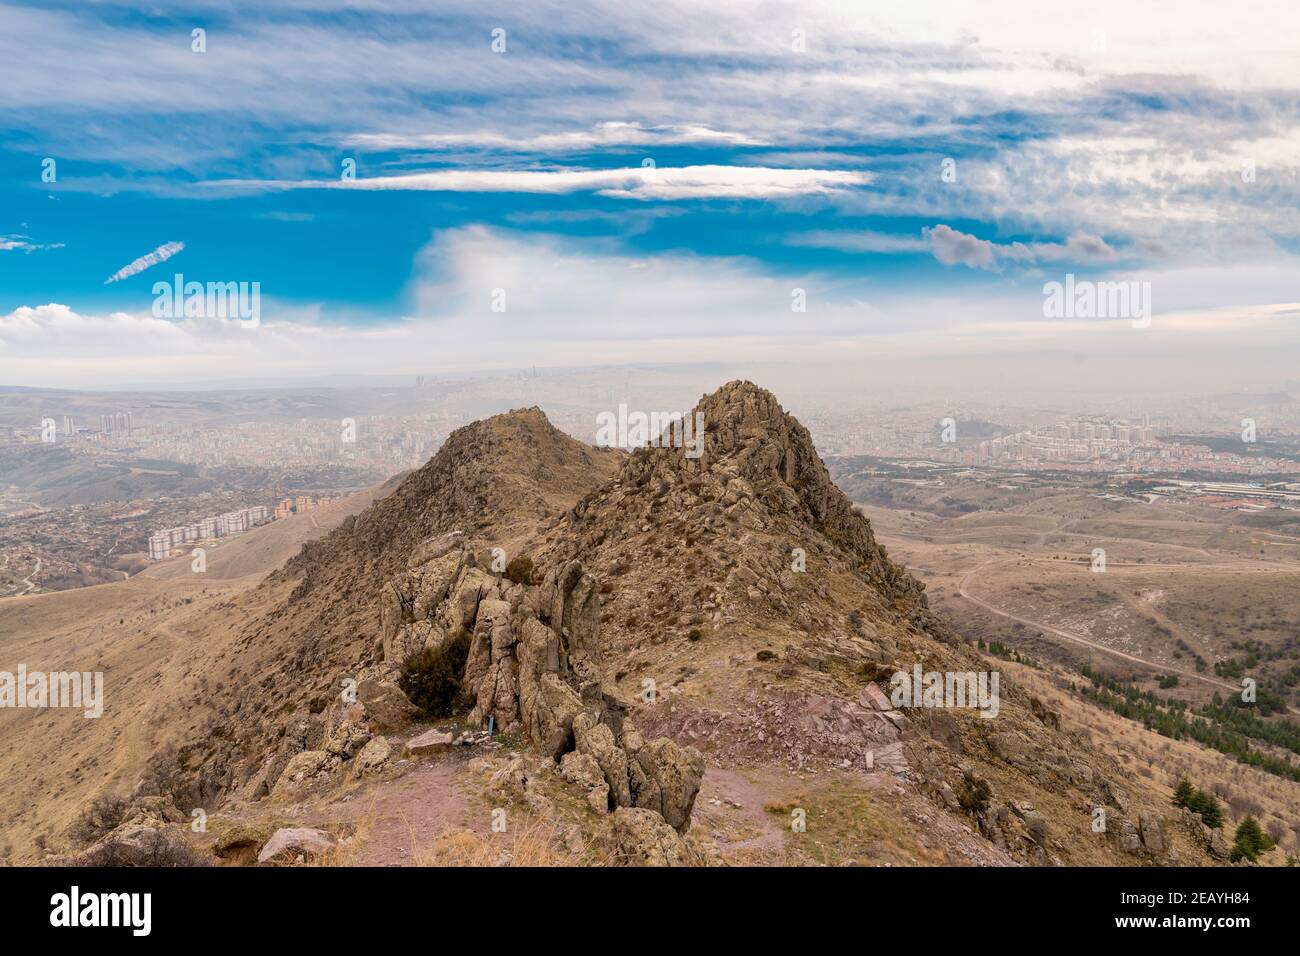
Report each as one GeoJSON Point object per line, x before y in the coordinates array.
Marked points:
{"type": "Point", "coordinates": [641, 629]}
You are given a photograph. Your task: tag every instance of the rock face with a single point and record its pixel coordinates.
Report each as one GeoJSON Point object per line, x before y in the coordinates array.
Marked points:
{"type": "Point", "coordinates": [534, 667]}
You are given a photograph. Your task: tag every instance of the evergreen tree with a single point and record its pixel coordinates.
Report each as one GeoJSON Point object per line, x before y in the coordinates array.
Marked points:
{"type": "Point", "coordinates": [1184, 793]}
{"type": "Point", "coordinates": [1251, 841]}
{"type": "Point", "coordinates": [1208, 808]}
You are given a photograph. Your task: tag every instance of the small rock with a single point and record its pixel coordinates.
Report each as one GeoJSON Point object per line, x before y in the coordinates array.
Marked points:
{"type": "Point", "coordinates": [428, 742]}
{"type": "Point", "coordinates": [291, 843]}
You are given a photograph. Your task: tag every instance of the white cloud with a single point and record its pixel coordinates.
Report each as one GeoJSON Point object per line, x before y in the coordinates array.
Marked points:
{"type": "Point", "coordinates": [25, 244]}
{"type": "Point", "coordinates": [136, 266]}
{"type": "Point", "coordinates": [668, 183]}
{"type": "Point", "coordinates": [602, 135]}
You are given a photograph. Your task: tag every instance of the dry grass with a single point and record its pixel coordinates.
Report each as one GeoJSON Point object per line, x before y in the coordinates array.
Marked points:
{"type": "Point", "coordinates": [533, 843]}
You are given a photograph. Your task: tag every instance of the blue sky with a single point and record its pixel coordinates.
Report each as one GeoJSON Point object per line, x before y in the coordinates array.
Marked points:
{"type": "Point", "coordinates": [794, 146]}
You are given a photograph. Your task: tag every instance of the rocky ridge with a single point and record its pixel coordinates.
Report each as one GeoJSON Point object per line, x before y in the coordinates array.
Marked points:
{"type": "Point", "coordinates": [745, 569]}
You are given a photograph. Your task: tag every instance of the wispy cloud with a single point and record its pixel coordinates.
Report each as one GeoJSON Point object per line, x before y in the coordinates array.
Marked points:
{"type": "Point", "coordinates": [855, 240]}
{"type": "Point", "coordinates": [25, 244]}
{"type": "Point", "coordinates": [603, 135]}
{"type": "Point", "coordinates": [953, 247]}
{"type": "Point", "coordinates": [135, 266]}
{"type": "Point", "coordinates": [641, 182]}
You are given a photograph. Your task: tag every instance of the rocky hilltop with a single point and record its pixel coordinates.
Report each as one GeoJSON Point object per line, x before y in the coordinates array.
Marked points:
{"type": "Point", "coordinates": [623, 629]}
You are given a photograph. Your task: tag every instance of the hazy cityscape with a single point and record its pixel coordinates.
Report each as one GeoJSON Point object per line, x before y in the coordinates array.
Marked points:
{"type": "Point", "coordinates": [1209, 448]}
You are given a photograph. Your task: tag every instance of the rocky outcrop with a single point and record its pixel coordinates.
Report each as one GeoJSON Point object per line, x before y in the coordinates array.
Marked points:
{"type": "Point", "coordinates": [307, 770]}
{"type": "Point", "coordinates": [642, 838]}
{"type": "Point", "coordinates": [663, 777]}
{"type": "Point", "coordinates": [534, 666]}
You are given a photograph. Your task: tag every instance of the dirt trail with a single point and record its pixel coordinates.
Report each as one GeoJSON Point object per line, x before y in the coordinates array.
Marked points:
{"type": "Point", "coordinates": [403, 818]}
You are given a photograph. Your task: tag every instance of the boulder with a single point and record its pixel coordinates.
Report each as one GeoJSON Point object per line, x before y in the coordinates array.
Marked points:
{"type": "Point", "coordinates": [665, 778]}
{"type": "Point", "coordinates": [304, 770]}
{"type": "Point", "coordinates": [387, 708]}
{"type": "Point", "coordinates": [346, 738]}
{"type": "Point", "coordinates": [1216, 844]}
{"type": "Point", "coordinates": [431, 741]}
{"type": "Point", "coordinates": [289, 843]}
{"type": "Point", "coordinates": [642, 838]}
{"type": "Point", "coordinates": [373, 757]}
{"type": "Point", "coordinates": [435, 547]}
{"type": "Point", "coordinates": [510, 782]}
{"type": "Point", "coordinates": [1153, 837]}
{"type": "Point", "coordinates": [582, 771]}
{"type": "Point", "coordinates": [239, 840]}
{"type": "Point", "coordinates": [872, 696]}
{"type": "Point", "coordinates": [597, 741]}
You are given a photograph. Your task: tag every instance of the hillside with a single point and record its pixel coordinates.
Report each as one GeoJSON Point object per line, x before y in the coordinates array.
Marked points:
{"type": "Point", "coordinates": [693, 665]}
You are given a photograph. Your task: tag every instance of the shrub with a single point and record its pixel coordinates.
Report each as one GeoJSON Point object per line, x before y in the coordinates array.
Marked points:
{"type": "Point", "coordinates": [974, 796]}
{"type": "Point", "coordinates": [694, 635]}
{"type": "Point", "coordinates": [97, 820]}
{"type": "Point", "coordinates": [520, 571]}
{"type": "Point", "coordinates": [431, 677]}
{"type": "Point", "coordinates": [153, 848]}
{"type": "Point", "coordinates": [766, 655]}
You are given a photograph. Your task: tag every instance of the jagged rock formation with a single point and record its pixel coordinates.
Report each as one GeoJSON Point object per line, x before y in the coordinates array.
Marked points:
{"type": "Point", "coordinates": [534, 665]}
{"type": "Point", "coordinates": [318, 621]}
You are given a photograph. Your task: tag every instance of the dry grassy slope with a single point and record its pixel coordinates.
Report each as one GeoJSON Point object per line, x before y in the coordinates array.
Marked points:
{"type": "Point", "coordinates": [160, 638]}
{"type": "Point", "coordinates": [498, 480]}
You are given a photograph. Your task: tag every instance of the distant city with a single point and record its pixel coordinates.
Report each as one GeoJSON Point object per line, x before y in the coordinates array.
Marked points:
{"type": "Point", "coordinates": [91, 497]}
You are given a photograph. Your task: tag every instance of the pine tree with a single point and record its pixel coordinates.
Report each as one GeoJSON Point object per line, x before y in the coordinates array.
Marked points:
{"type": "Point", "coordinates": [1184, 793]}
{"type": "Point", "coordinates": [1250, 841]}
{"type": "Point", "coordinates": [1208, 808]}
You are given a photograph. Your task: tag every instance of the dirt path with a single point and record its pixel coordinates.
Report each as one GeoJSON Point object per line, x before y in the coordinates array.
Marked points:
{"type": "Point", "coordinates": [730, 807]}
{"type": "Point", "coordinates": [401, 819]}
